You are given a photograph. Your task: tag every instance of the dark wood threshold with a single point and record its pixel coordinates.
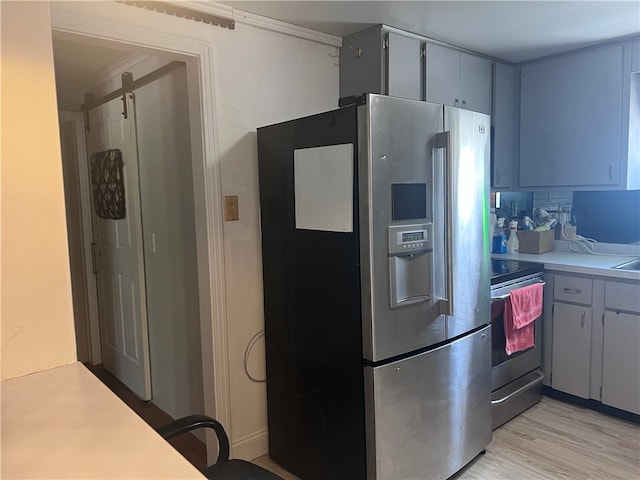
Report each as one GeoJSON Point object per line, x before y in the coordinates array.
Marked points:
{"type": "Point", "coordinates": [188, 445]}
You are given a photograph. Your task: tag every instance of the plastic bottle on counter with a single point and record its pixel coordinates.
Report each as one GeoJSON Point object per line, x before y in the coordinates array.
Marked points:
{"type": "Point", "coordinates": [499, 239]}
{"type": "Point", "coordinates": [526, 223]}
{"type": "Point", "coordinates": [513, 244]}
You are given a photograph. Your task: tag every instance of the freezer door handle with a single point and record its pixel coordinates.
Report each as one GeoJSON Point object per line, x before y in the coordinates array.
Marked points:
{"type": "Point", "coordinates": [443, 140]}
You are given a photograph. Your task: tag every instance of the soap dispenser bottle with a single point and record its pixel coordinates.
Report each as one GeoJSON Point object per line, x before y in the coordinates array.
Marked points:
{"type": "Point", "coordinates": [513, 244]}
{"type": "Point", "coordinates": [499, 240]}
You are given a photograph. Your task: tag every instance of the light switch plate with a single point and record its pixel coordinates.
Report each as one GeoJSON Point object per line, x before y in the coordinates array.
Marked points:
{"type": "Point", "coordinates": [152, 242]}
{"type": "Point", "coordinates": [231, 208]}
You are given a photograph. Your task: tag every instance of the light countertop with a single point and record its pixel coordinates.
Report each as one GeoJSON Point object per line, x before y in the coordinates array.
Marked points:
{"type": "Point", "coordinates": [64, 423]}
{"type": "Point", "coordinates": [562, 259]}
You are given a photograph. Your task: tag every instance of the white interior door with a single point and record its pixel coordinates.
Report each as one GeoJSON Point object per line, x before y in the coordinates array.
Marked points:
{"type": "Point", "coordinates": [119, 255]}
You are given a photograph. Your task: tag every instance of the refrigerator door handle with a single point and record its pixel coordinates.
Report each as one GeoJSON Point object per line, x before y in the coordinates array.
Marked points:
{"type": "Point", "coordinates": [443, 140]}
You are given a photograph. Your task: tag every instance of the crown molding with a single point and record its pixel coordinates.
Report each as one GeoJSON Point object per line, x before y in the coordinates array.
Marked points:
{"type": "Point", "coordinates": [247, 18]}
{"type": "Point", "coordinates": [211, 8]}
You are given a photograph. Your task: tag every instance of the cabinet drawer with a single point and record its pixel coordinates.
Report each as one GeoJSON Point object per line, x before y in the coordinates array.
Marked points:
{"type": "Point", "coordinates": [573, 289]}
{"type": "Point", "coordinates": [622, 296]}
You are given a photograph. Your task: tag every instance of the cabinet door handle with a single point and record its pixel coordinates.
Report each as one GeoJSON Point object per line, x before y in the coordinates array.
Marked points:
{"type": "Point", "coordinates": [610, 172]}
{"type": "Point", "coordinates": [584, 314]}
{"type": "Point", "coordinates": [572, 291]}
{"type": "Point", "coordinates": [497, 175]}
{"type": "Point", "coordinates": [387, 73]}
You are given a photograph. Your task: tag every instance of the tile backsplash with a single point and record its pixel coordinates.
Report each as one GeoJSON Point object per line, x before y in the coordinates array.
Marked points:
{"type": "Point", "coordinates": [606, 216]}
{"type": "Point", "coordinates": [550, 201]}
{"type": "Point", "coordinates": [510, 204]}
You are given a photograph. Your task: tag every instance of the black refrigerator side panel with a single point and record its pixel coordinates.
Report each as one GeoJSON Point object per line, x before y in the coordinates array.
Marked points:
{"type": "Point", "coordinates": [313, 325]}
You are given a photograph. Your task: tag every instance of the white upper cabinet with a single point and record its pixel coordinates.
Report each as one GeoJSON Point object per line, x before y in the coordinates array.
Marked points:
{"type": "Point", "coordinates": [503, 126]}
{"type": "Point", "coordinates": [457, 78]}
{"type": "Point", "coordinates": [574, 120]}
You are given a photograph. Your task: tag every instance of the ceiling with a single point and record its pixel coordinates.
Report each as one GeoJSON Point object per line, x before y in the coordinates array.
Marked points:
{"type": "Point", "coordinates": [76, 63]}
{"type": "Point", "coordinates": [515, 31]}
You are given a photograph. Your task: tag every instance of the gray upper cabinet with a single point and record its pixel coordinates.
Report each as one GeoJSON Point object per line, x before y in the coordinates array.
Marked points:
{"type": "Point", "coordinates": [574, 120]}
{"type": "Point", "coordinates": [503, 128]}
{"type": "Point", "coordinates": [458, 78]}
{"type": "Point", "coordinates": [403, 60]}
{"type": "Point", "coordinates": [476, 82]}
{"type": "Point", "coordinates": [386, 60]}
{"type": "Point", "coordinates": [381, 60]}
{"type": "Point", "coordinates": [633, 160]}
{"type": "Point", "coordinates": [442, 75]}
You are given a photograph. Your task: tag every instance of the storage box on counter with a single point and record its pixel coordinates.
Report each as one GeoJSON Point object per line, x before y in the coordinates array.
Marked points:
{"type": "Point", "coordinates": [536, 242]}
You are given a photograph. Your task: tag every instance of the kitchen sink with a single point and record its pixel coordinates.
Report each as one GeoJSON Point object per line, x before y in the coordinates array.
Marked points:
{"type": "Point", "coordinates": [632, 265]}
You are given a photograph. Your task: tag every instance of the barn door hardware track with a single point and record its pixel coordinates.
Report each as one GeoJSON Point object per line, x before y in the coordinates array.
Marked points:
{"type": "Point", "coordinates": [170, 9]}
{"type": "Point", "coordinates": [128, 86]}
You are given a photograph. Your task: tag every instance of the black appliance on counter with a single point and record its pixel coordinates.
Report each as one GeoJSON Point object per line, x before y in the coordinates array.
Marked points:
{"type": "Point", "coordinates": [516, 380]}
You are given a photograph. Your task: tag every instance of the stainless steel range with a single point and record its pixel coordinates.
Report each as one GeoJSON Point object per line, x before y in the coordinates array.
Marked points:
{"type": "Point", "coordinates": [516, 379]}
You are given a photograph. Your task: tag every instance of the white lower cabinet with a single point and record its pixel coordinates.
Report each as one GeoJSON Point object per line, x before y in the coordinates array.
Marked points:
{"type": "Point", "coordinates": [621, 361]}
{"type": "Point", "coordinates": [595, 339]}
{"type": "Point", "coordinates": [571, 355]}
{"type": "Point", "coordinates": [621, 347]}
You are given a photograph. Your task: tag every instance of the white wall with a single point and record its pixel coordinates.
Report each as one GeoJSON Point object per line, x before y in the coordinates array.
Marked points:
{"type": "Point", "coordinates": [36, 311]}
{"type": "Point", "coordinates": [261, 77]}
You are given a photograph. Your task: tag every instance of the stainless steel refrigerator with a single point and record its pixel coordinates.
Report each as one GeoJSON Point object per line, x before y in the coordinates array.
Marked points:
{"type": "Point", "coordinates": [376, 290]}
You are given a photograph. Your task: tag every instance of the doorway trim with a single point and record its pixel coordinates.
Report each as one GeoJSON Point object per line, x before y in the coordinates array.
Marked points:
{"type": "Point", "coordinates": [100, 24]}
{"type": "Point", "coordinates": [91, 305]}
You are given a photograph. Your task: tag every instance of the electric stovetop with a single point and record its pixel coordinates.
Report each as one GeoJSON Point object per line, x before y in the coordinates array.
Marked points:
{"type": "Point", "coordinates": [505, 270]}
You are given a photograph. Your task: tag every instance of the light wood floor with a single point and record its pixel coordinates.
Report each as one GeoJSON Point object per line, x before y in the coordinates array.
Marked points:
{"type": "Point", "coordinates": [551, 440]}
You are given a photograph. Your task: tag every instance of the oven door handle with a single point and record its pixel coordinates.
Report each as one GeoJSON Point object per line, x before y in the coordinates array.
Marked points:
{"type": "Point", "coordinates": [506, 295]}
{"type": "Point", "coordinates": [538, 379]}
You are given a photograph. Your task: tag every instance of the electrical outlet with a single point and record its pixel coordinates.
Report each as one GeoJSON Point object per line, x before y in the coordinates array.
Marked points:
{"type": "Point", "coordinates": [152, 242]}
{"type": "Point", "coordinates": [231, 208]}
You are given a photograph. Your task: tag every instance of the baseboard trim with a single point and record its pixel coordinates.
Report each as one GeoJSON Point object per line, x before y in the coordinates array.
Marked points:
{"type": "Point", "coordinates": [251, 446]}
{"type": "Point", "coordinates": [591, 405]}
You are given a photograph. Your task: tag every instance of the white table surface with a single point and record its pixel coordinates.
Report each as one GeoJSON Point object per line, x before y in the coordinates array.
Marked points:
{"type": "Point", "coordinates": [64, 423]}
